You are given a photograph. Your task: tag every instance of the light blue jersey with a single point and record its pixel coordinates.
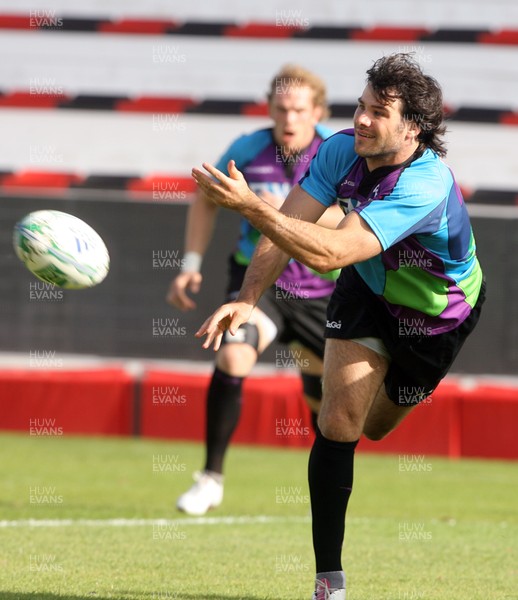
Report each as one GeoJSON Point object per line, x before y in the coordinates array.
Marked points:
{"type": "Point", "coordinates": [428, 265]}
{"type": "Point", "coordinates": [265, 169]}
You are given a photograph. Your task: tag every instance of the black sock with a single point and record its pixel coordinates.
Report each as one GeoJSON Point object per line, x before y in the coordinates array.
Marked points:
{"type": "Point", "coordinates": [223, 411]}
{"type": "Point", "coordinates": [330, 476]}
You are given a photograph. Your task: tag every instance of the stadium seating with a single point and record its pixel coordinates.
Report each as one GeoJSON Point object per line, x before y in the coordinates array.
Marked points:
{"type": "Point", "coordinates": [122, 99]}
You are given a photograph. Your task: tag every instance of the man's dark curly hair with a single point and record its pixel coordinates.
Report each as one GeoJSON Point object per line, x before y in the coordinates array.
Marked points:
{"type": "Point", "coordinates": [400, 76]}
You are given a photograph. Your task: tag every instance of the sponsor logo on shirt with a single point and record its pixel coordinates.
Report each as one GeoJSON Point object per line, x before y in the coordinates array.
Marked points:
{"type": "Point", "coordinates": [334, 324]}
{"type": "Point", "coordinates": [374, 192]}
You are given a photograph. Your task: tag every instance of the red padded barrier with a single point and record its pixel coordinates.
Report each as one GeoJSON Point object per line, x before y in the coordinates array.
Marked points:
{"type": "Point", "coordinates": [41, 179]}
{"type": "Point", "coordinates": [456, 421]}
{"type": "Point", "coordinates": [433, 427]}
{"type": "Point", "coordinates": [56, 402]}
{"type": "Point", "coordinates": [489, 422]}
{"type": "Point", "coordinates": [274, 412]}
{"type": "Point", "coordinates": [164, 186]}
{"type": "Point", "coordinates": [172, 405]}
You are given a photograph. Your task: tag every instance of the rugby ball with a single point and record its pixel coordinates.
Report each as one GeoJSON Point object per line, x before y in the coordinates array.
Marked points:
{"type": "Point", "coordinates": [61, 249]}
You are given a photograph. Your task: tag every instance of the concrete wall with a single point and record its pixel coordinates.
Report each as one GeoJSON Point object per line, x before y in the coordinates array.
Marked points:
{"type": "Point", "coordinates": [117, 317]}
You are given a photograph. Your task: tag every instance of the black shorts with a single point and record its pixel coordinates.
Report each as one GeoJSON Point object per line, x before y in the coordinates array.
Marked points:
{"type": "Point", "coordinates": [299, 320]}
{"type": "Point", "coordinates": [418, 362]}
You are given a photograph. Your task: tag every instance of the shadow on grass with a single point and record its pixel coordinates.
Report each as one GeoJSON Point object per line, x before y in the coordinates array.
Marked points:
{"type": "Point", "coordinates": [162, 595]}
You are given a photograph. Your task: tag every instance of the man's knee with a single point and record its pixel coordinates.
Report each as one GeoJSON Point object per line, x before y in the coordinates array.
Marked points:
{"type": "Point", "coordinates": [238, 354]}
{"type": "Point", "coordinates": [246, 334]}
{"type": "Point", "coordinates": [339, 425]}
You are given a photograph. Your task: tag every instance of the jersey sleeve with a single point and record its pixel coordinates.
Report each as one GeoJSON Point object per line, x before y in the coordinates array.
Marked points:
{"type": "Point", "coordinates": [333, 159]}
{"type": "Point", "coordinates": [415, 205]}
{"type": "Point", "coordinates": [229, 154]}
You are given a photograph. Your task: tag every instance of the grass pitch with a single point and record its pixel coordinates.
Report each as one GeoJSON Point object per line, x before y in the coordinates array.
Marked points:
{"type": "Point", "coordinates": [85, 518]}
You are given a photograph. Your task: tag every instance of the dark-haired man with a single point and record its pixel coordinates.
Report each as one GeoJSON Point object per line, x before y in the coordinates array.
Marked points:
{"type": "Point", "coordinates": [272, 161]}
{"type": "Point", "coordinates": [410, 290]}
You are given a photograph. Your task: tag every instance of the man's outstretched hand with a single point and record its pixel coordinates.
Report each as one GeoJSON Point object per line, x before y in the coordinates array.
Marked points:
{"type": "Point", "coordinates": [230, 191]}
{"type": "Point", "coordinates": [229, 316]}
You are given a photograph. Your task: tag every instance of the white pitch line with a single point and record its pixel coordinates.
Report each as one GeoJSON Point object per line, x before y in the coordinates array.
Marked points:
{"type": "Point", "coordinates": [244, 520]}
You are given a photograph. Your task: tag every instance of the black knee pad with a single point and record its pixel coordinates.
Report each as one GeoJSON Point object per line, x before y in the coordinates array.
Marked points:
{"type": "Point", "coordinates": [246, 334]}
{"type": "Point", "coordinates": [312, 385]}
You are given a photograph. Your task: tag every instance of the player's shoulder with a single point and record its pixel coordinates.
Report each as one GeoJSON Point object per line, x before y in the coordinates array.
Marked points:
{"type": "Point", "coordinates": [429, 173]}
{"type": "Point", "coordinates": [342, 137]}
{"type": "Point", "coordinates": [339, 143]}
{"type": "Point", "coordinates": [245, 148]}
{"type": "Point", "coordinates": [334, 159]}
{"type": "Point", "coordinates": [323, 131]}
{"type": "Point", "coordinates": [337, 151]}
{"type": "Point", "coordinates": [254, 142]}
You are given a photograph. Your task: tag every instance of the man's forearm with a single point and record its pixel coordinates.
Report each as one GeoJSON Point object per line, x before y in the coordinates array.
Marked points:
{"type": "Point", "coordinates": [308, 243]}
{"type": "Point", "coordinates": [268, 262]}
{"type": "Point", "coordinates": [201, 218]}
{"type": "Point", "coordinates": [317, 247]}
